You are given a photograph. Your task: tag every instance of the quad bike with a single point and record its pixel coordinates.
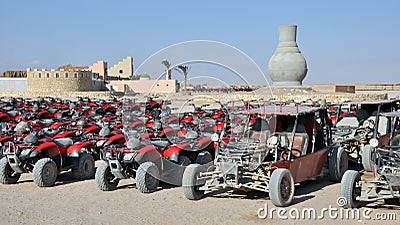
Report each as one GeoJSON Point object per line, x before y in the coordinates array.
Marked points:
{"type": "Point", "coordinates": [386, 182]}
{"type": "Point", "coordinates": [45, 158]}
{"type": "Point", "coordinates": [271, 162]}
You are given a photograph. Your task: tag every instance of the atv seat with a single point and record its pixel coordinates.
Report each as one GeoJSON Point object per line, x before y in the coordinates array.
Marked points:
{"type": "Point", "coordinates": [160, 144]}
{"type": "Point", "coordinates": [46, 122]}
{"type": "Point", "coordinates": [51, 132]}
{"type": "Point", "coordinates": [348, 121]}
{"type": "Point", "coordinates": [13, 113]}
{"type": "Point", "coordinates": [300, 142]}
{"type": "Point", "coordinates": [52, 110]}
{"type": "Point", "coordinates": [64, 142]}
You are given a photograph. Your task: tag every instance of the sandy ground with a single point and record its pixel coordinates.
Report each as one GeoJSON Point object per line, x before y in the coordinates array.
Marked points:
{"type": "Point", "coordinates": [73, 202]}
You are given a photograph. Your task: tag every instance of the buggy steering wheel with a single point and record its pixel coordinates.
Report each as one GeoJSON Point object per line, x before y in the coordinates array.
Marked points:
{"type": "Point", "coordinates": [286, 152]}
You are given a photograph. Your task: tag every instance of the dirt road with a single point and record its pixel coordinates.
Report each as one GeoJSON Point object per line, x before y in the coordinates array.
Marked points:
{"type": "Point", "coordinates": [81, 202]}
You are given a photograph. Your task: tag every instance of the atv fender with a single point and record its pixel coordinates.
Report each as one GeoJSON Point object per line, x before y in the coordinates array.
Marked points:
{"type": "Point", "coordinates": [147, 153]}
{"type": "Point", "coordinates": [50, 147]}
{"type": "Point", "coordinates": [75, 149]}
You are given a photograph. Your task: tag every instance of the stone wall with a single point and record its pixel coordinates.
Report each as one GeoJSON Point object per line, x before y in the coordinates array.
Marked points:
{"type": "Point", "coordinates": [59, 80]}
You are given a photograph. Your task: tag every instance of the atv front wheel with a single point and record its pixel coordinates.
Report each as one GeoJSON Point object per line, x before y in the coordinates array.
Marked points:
{"type": "Point", "coordinates": [105, 179]}
{"type": "Point", "coordinates": [350, 189]}
{"type": "Point", "coordinates": [204, 158]}
{"type": "Point", "coordinates": [45, 172]}
{"type": "Point", "coordinates": [7, 174]}
{"type": "Point", "coordinates": [85, 168]}
{"type": "Point", "coordinates": [338, 164]}
{"type": "Point", "coordinates": [281, 187]}
{"type": "Point", "coordinates": [191, 184]}
{"type": "Point", "coordinates": [184, 160]}
{"type": "Point", "coordinates": [147, 177]}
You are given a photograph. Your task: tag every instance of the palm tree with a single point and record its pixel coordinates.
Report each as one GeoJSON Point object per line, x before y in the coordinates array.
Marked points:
{"type": "Point", "coordinates": [167, 65]}
{"type": "Point", "coordinates": [184, 69]}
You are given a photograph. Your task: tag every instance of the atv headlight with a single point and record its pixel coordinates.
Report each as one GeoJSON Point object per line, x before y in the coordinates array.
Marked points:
{"type": "Point", "coordinates": [374, 142]}
{"type": "Point", "coordinates": [25, 153]}
{"type": "Point", "coordinates": [214, 137]}
{"type": "Point", "coordinates": [129, 157]}
{"type": "Point", "coordinates": [100, 143]}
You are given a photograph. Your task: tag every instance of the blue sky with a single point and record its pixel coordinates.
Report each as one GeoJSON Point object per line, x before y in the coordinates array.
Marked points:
{"type": "Point", "coordinates": [342, 41]}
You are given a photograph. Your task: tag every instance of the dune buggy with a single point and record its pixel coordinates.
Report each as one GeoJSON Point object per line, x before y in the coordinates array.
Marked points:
{"type": "Point", "coordinates": [295, 148]}
{"type": "Point", "coordinates": [360, 132]}
{"type": "Point", "coordinates": [386, 169]}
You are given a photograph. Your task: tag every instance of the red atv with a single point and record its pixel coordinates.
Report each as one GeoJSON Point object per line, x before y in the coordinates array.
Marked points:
{"type": "Point", "coordinates": [45, 158]}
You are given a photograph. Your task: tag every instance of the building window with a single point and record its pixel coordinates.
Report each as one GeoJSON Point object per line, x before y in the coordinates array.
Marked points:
{"type": "Point", "coordinates": [167, 85]}
{"type": "Point", "coordinates": [57, 75]}
{"type": "Point", "coordinates": [66, 75]}
{"type": "Point", "coordinates": [81, 75]}
{"type": "Point", "coordinates": [75, 75]}
{"type": "Point", "coordinates": [33, 75]}
{"type": "Point", "coordinates": [40, 75]}
{"type": "Point", "coordinates": [121, 71]}
{"type": "Point", "coordinates": [158, 84]}
{"type": "Point", "coordinates": [47, 75]}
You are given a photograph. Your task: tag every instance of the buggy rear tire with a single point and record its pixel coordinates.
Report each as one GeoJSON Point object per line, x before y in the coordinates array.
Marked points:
{"type": "Point", "coordinates": [338, 164]}
{"type": "Point", "coordinates": [350, 189]}
{"type": "Point", "coordinates": [392, 201]}
{"type": "Point", "coordinates": [85, 168]}
{"type": "Point", "coordinates": [45, 172]}
{"type": "Point", "coordinates": [204, 158]}
{"type": "Point", "coordinates": [190, 182]}
{"type": "Point", "coordinates": [105, 179]}
{"type": "Point", "coordinates": [366, 158]}
{"type": "Point", "coordinates": [147, 177]}
{"type": "Point", "coordinates": [281, 187]}
{"type": "Point", "coordinates": [7, 174]}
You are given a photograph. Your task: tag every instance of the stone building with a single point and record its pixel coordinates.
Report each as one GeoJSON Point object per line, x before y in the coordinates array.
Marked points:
{"type": "Point", "coordinates": [122, 70]}
{"type": "Point", "coordinates": [59, 80]}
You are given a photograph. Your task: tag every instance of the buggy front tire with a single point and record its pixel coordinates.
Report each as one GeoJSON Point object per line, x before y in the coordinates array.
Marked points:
{"type": "Point", "coordinates": [281, 187]}
{"type": "Point", "coordinates": [7, 174]}
{"type": "Point", "coordinates": [147, 177]}
{"type": "Point", "coordinates": [191, 184]}
{"type": "Point", "coordinates": [105, 179]}
{"type": "Point", "coordinates": [338, 164]}
{"type": "Point", "coordinates": [366, 158]}
{"type": "Point", "coordinates": [45, 172]}
{"type": "Point", "coordinates": [350, 189]}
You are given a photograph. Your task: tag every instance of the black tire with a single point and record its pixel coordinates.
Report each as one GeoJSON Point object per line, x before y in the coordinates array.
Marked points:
{"type": "Point", "coordinates": [395, 141]}
{"type": "Point", "coordinates": [338, 164]}
{"type": "Point", "coordinates": [349, 189]}
{"type": "Point", "coordinates": [184, 161]}
{"type": "Point", "coordinates": [85, 168]}
{"type": "Point", "coordinates": [366, 158]}
{"type": "Point", "coordinates": [392, 201]}
{"type": "Point", "coordinates": [191, 184]}
{"type": "Point", "coordinates": [105, 179]}
{"type": "Point", "coordinates": [147, 177]}
{"type": "Point", "coordinates": [204, 158]}
{"type": "Point", "coordinates": [281, 187]}
{"type": "Point", "coordinates": [45, 172]}
{"type": "Point", "coordinates": [7, 174]}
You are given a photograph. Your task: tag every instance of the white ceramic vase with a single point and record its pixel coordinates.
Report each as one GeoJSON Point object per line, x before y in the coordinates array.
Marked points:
{"type": "Point", "coordinates": [287, 66]}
